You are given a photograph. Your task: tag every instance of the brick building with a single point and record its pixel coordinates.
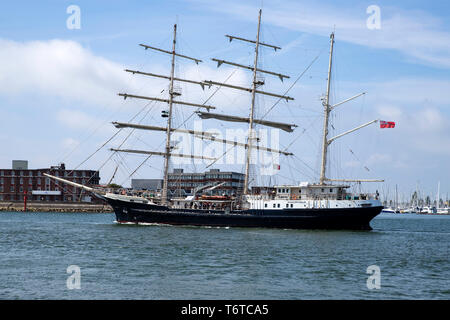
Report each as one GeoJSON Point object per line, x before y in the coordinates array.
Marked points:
{"type": "Point", "coordinates": [18, 181]}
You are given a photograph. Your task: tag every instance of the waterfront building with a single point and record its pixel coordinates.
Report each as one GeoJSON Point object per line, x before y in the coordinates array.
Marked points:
{"type": "Point", "coordinates": [182, 183]}
{"type": "Point", "coordinates": [19, 181]}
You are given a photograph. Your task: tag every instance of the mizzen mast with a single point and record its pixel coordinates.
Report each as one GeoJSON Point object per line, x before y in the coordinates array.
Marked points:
{"type": "Point", "coordinates": [327, 110]}
{"type": "Point", "coordinates": [326, 104]}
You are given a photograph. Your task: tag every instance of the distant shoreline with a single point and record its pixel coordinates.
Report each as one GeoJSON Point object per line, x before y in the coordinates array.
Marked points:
{"type": "Point", "coordinates": [55, 207]}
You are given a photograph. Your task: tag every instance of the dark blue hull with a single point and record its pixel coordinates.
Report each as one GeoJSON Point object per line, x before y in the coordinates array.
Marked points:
{"type": "Point", "coordinates": [345, 218]}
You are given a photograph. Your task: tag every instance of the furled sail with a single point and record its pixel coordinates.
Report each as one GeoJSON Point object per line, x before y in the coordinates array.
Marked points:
{"type": "Point", "coordinates": [283, 126]}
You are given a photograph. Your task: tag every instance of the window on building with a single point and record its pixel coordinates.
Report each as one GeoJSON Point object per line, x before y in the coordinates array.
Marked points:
{"type": "Point", "coordinates": [12, 188]}
{"type": "Point", "coordinates": [21, 189]}
{"type": "Point", "coordinates": [12, 173]}
{"type": "Point", "coordinates": [323, 190]}
{"type": "Point", "coordinates": [21, 180]}
{"type": "Point", "coordinates": [331, 190]}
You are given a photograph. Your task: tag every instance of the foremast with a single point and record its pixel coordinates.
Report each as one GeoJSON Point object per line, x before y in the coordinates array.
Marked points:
{"type": "Point", "coordinates": [170, 101]}
{"type": "Point", "coordinates": [169, 121]}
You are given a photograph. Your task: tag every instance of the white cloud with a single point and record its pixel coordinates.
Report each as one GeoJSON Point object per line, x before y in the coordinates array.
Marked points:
{"type": "Point", "coordinates": [416, 34]}
{"type": "Point", "coordinates": [58, 68]}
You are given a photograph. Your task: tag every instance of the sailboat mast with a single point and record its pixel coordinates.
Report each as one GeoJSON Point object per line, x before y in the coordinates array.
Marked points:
{"type": "Point", "coordinates": [396, 197]}
{"type": "Point", "coordinates": [169, 122]}
{"type": "Point", "coordinates": [252, 111]}
{"type": "Point", "coordinates": [326, 104]}
{"type": "Point", "coordinates": [438, 195]}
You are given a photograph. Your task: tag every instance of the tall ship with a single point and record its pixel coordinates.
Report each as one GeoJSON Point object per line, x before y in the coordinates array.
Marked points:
{"type": "Point", "coordinates": [324, 204]}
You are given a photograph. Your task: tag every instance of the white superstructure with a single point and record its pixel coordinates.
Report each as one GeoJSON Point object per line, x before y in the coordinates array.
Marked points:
{"type": "Point", "coordinates": [310, 196]}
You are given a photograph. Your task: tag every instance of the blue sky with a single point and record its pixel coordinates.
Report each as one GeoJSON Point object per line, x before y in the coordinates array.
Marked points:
{"type": "Point", "coordinates": [58, 86]}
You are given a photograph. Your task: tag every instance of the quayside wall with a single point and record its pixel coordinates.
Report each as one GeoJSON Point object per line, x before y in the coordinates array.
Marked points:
{"type": "Point", "coordinates": [55, 207]}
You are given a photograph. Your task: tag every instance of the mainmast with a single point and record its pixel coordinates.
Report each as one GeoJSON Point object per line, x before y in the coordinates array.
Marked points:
{"type": "Point", "coordinates": [251, 120]}
{"type": "Point", "coordinates": [252, 111]}
{"type": "Point", "coordinates": [326, 104]}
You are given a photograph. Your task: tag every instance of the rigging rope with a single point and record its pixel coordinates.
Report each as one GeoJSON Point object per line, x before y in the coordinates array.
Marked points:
{"type": "Point", "coordinates": [192, 114]}
{"type": "Point", "coordinates": [293, 84]}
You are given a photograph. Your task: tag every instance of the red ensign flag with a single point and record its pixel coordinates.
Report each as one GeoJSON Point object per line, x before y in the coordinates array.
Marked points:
{"type": "Point", "coordinates": [387, 124]}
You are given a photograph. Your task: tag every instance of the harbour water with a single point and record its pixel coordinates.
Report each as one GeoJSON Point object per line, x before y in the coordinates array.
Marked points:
{"type": "Point", "coordinates": [168, 262]}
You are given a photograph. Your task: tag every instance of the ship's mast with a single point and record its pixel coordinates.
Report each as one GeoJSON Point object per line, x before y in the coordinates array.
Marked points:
{"type": "Point", "coordinates": [169, 122]}
{"type": "Point", "coordinates": [326, 104]}
{"type": "Point", "coordinates": [168, 152]}
{"type": "Point", "coordinates": [252, 111]}
{"type": "Point", "coordinates": [327, 110]}
{"type": "Point", "coordinates": [251, 120]}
